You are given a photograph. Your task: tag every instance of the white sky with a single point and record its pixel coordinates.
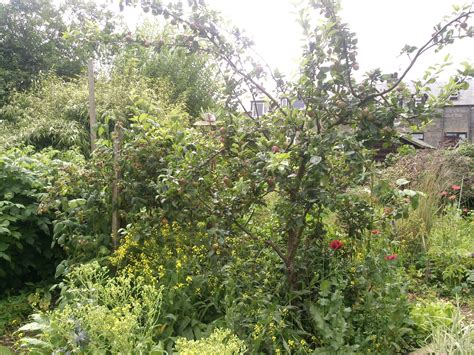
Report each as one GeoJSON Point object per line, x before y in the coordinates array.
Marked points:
{"type": "Point", "coordinates": [383, 27]}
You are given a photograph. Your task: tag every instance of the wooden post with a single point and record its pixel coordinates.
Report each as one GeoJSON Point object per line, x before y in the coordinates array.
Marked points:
{"type": "Point", "coordinates": [92, 109]}
{"type": "Point", "coordinates": [117, 146]}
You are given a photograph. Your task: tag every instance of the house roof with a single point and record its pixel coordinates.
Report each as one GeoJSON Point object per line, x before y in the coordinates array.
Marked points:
{"type": "Point", "coordinates": [414, 141]}
{"type": "Point", "coordinates": [465, 97]}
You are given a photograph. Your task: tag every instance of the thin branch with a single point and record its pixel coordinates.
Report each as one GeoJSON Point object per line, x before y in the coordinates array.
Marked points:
{"type": "Point", "coordinates": [212, 156]}
{"type": "Point", "coordinates": [266, 241]}
{"type": "Point", "coordinates": [429, 44]}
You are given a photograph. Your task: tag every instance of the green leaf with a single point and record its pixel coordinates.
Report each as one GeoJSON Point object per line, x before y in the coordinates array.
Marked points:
{"type": "Point", "coordinates": [77, 203]}
{"type": "Point", "coordinates": [325, 287]}
{"type": "Point", "coordinates": [31, 327]}
{"type": "Point", "coordinates": [60, 270]}
{"type": "Point", "coordinates": [315, 159]}
{"type": "Point", "coordinates": [401, 182]}
{"type": "Point", "coordinates": [100, 131]}
{"type": "Point", "coordinates": [35, 342]}
{"type": "Point", "coordinates": [316, 316]}
{"type": "Point", "coordinates": [410, 193]}
{"type": "Point", "coordinates": [5, 256]}
{"type": "Point", "coordinates": [3, 246]}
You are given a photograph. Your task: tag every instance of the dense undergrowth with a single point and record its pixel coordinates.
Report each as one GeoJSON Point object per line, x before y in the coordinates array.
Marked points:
{"type": "Point", "coordinates": [378, 292]}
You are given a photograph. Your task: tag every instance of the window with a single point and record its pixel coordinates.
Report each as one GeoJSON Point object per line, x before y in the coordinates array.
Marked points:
{"type": "Point", "coordinates": [419, 136]}
{"type": "Point", "coordinates": [454, 96]}
{"type": "Point", "coordinates": [284, 102]}
{"type": "Point", "coordinates": [258, 108]}
{"type": "Point", "coordinates": [456, 135]}
{"type": "Point", "coordinates": [421, 100]}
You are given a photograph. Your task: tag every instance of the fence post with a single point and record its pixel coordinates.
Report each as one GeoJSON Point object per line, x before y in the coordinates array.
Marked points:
{"type": "Point", "coordinates": [92, 108]}
{"type": "Point", "coordinates": [117, 137]}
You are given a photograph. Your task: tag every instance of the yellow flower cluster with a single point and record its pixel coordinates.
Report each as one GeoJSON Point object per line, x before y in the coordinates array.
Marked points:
{"type": "Point", "coordinates": [162, 253]}
{"type": "Point", "coordinates": [257, 330]}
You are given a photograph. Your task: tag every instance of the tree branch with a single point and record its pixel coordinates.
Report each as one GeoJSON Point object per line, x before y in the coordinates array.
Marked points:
{"type": "Point", "coordinates": [266, 241]}
{"type": "Point", "coordinates": [429, 44]}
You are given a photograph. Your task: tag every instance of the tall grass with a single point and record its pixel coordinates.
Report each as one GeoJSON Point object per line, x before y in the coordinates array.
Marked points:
{"type": "Point", "coordinates": [437, 238]}
{"type": "Point", "coordinates": [415, 230]}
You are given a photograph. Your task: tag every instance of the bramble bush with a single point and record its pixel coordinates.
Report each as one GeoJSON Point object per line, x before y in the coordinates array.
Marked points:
{"type": "Point", "coordinates": [25, 223]}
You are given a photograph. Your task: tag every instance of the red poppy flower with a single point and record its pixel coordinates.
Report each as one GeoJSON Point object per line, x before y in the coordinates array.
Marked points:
{"type": "Point", "coordinates": [391, 257]}
{"type": "Point", "coordinates": [456, 187]}
{"type": "Point", "coordinates": [444, 193]}
{"type": "Point", "coordinates": [335, 244]}
{"type": "Point", "coordinates": [375, 232]}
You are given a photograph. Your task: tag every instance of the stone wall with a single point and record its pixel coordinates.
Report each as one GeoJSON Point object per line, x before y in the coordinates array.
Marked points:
{"type": "Point", "coordinates": [455, 119]}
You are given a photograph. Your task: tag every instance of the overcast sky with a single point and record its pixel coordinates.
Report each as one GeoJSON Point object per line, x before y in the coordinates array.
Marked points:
{"type": "Point", "coordinates": [383, 27]}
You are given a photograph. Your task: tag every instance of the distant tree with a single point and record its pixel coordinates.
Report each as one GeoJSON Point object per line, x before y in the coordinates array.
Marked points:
{"type": "Point", "coordinates": [38, 36]}
{"type": "Point", "coordinates": [161, 53]}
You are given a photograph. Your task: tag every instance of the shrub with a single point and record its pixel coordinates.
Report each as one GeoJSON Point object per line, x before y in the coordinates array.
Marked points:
{"type": "Point", "coordinates": [52, 114]}
{"type": "Point", "coordinates": [449, 256]}
{"type": "Point", "coordinates": [25, 234]}
{"type": "Point", "coordinates": [429, 315]}
{"type": "Point", "coordinates": [98, 314]}
{"type": "Point", "coordinates": [436, 241]}
{"type": "Point", "coordinates": [13, 311]}
{"type": "Point", "coordinates": [177, 257]}
{"type": "Point", "coordinates": [350, 299]}
{"type": "Point", "coordinates": [219, 342]}
{"type": "Point", "coordinates": [443, 327]}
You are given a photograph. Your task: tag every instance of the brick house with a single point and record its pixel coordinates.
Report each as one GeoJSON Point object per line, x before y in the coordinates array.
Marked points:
{"type": "Point", "coordinates": [456, 122]}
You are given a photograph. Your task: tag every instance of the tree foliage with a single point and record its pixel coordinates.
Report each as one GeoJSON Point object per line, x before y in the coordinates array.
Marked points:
{"type": "Point", "coordinates": [38, 36]}
{"type": "Point", "coordinates": [161, 54]}
{"type": "Point", "coordinates": [306, 155]}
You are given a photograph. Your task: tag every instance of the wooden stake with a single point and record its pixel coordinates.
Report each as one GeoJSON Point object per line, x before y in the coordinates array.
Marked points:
{"type": "Point", "coordinates": [92, 108]}
{"type": "Point", "coordinates": [117, 146]}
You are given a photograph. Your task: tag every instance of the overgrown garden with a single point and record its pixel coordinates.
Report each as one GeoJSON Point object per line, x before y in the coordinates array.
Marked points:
{"type": "Point", "coordinates": [186, 225]}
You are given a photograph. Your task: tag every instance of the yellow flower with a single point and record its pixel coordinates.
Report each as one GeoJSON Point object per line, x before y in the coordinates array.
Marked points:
{"type": "Point", "coordinates": [178, 285]}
